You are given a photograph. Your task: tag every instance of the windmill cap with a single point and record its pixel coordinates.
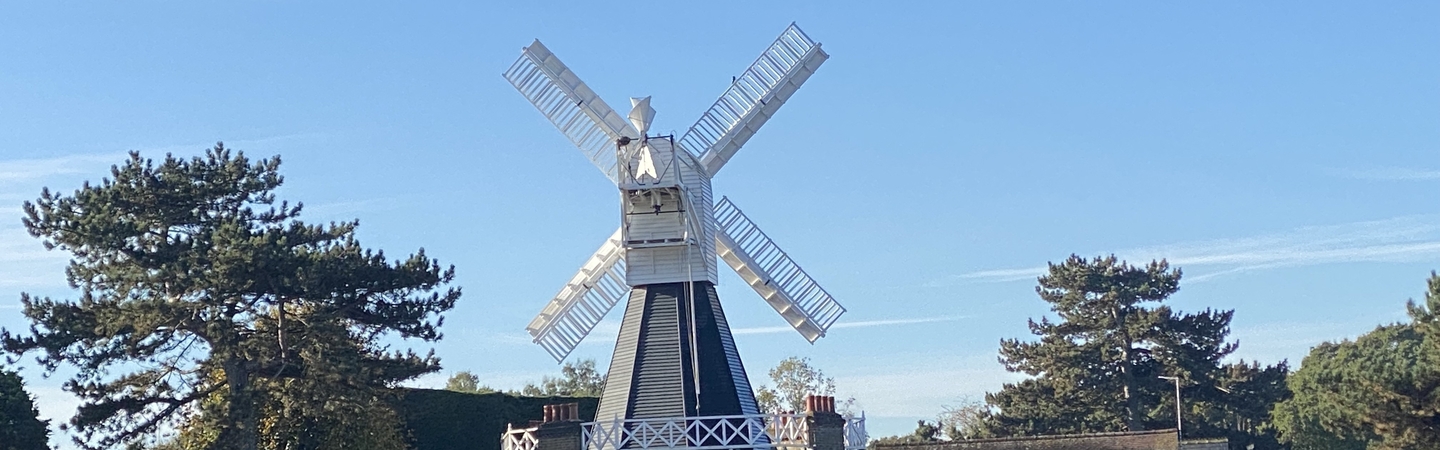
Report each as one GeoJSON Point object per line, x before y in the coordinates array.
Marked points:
{"type": "Point", "coordinates": [641, 114]}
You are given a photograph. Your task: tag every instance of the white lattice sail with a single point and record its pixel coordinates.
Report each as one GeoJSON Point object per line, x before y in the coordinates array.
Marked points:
{"type": "Point", "coordinates": [620, 264]}
{"type": "Point", "coordinates": [581, 115]}
{"type": "Point", "coordinates": [753, 98]}
{"type": "Point", "coordinates": [771, 273]}
{"type": "Point", "coordinates": [583, 302]}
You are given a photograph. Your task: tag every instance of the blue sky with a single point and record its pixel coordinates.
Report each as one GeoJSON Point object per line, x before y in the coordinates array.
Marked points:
{"type": "Point", "coordinates": [1284, 155]}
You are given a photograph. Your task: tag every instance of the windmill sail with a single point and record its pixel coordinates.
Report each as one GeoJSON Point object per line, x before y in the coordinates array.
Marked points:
{"type": "Point", "coordinates": [569, 104]}
{"type": "Point", "coordinates": [589, 295]}
{"type": "Point", "coordinates": [675, 359]}
{"type": "Point", "coordinates": [767, 269]}
{"type": "Point", "coordinates": [753, 97]}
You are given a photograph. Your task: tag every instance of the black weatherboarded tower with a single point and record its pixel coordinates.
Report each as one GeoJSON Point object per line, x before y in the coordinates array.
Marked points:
{"type": "Point", "coordinates": [666, 367]}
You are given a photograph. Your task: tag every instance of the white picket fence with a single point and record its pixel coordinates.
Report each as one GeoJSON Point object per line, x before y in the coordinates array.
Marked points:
{"type": "Point", "coordinates": [753, 431]}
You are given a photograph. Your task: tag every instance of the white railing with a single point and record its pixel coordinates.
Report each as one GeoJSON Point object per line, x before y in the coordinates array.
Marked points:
{"type": "Point", "coordinates": [519, 439]}
{"type": "Point", "coordinates": [855, 436]}
{"type": "Point", "coordinates": [788, 431]}
{"type": "Point", "coordinates": [754, 431]}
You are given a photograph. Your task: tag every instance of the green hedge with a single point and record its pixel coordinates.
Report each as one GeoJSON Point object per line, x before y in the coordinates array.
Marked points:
{"type": "Point", "coordinates": [448, 420]}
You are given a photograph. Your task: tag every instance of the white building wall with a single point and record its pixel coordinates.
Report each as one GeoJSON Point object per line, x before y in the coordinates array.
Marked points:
{"type": "Point", "coordinates": [678, 263]}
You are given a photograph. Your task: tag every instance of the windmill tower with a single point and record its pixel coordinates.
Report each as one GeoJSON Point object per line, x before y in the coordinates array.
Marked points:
{"type": "Point", "coordinates": [675, 356]}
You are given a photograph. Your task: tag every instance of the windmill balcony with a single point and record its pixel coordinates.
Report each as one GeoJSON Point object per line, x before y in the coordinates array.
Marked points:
{"type": "Point", "coordinates": [785, 431]}
{"type": "Point", "coordinates": [758, 431]}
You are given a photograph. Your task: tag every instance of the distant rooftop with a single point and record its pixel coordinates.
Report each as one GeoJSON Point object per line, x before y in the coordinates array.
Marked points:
{"type": "Point", "coordinates": [1138, 440]}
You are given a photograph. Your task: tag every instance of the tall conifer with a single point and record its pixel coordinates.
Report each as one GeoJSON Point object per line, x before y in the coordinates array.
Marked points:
{"type": "Point", "coordinates": [197, 290]}
{"type": "Point", "coordinates": [1096, 369]}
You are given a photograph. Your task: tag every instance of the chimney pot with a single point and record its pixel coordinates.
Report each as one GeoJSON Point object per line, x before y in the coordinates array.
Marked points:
{"type": "Point", "coordinates": [562, 412]}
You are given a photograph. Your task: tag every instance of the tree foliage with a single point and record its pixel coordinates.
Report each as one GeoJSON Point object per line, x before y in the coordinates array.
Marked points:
{"type": "Point", "coordinates": [20, 424]}
{"type": "Point", "coordinates": [925, 432]}
{"type": "Point", "coordinates": [1097, 368]}
{"type": "Point", "coordinates": [577, 379]}
{"type": "Point", "coordinates": [1380, 391]}
{"type": "Point", "coordinates": [464, 381]}
{"type": "Point", "coordinates": [963, 421]}
{"type": "Point", "coordinates": [204, 303]}
{"type": "Point", "coordinates": [794, 379]}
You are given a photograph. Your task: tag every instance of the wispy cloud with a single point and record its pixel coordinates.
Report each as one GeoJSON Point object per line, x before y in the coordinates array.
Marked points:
{"type": "Point", "coordinates": [858, 324]}
{"type": "Point", "coordinates": [1272, 342]}
{"type": "Point", "coordinates": [1401, 239]}
{"type": "Point", "coordinates": [24, 262]}
{"type": "Point", "coordinates": [21, 170]}
{"type": "Point", "coordinates": [890, 389]}
{"type": "Point", "coordinates": [1391, 174]}
{"type": "Point", "coordinates": [604, 332]}
{"type": "Point", "coordinates": [992, 276]}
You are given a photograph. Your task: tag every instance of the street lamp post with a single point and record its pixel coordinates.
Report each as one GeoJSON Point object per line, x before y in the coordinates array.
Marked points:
{"type": "Point", "coordinates": [1179, 426]}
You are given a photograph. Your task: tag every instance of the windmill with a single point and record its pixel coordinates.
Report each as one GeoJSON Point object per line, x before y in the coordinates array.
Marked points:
{"type": "Point", "coordinates": [675, 356]}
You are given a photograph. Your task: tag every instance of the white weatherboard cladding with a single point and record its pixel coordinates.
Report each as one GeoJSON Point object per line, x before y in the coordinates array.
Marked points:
{"type": "Point", "coordinates": [671, 246]}
{"type": "Point", "coordinates": [644, 226]}
{"type": "Point", "coordinates": [705, 209]}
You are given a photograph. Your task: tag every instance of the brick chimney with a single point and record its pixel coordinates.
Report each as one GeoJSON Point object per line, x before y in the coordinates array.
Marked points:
{"type": "Point", "coordinates": [827, 428]}
{"type": "Point", "coordinates": [560, 429]}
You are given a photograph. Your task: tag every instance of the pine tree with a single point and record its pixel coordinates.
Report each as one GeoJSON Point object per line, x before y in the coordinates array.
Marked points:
{"type": "Point", "coordinates": [204, 294]}
{"type": "Point", "coordinates": [1097, 368]}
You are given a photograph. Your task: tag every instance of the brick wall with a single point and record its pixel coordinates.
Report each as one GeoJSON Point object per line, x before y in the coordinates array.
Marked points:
{"type": "Point", "coordinates": [563, 435]}
{"type": "Point", "coordinates": [827, 431]}
{"type": "Point", "coordinates": [1142, 440]}
{"type": "Point", "coordinates": [1206, 444]}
